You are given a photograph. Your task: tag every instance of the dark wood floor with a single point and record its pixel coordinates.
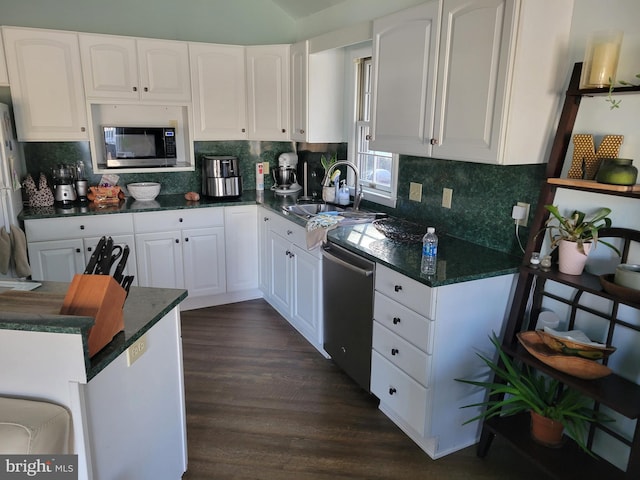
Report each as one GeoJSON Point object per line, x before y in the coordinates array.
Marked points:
{"type": "Point", "coordinates": [263, 404]}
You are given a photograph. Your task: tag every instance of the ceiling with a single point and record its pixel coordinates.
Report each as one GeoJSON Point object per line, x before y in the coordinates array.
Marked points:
{"type": "Point", "coordinates": [297, 9]}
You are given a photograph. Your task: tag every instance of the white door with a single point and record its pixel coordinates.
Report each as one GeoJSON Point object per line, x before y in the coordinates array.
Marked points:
{"type": "Point", "coordinates": [219, 91]}
{"type": "Point", "coordinates": [472, 74]}
{"type": "Point", "coordinates": [306, 285]}
{"type": "Point", "coordinates": [264, 255]}
{"type": "Point", "coordinates": [109, 66]}
{"type": "Point", "coordinates": [160, 260]}
{"type": "Point", "coordinates": [404, 53]}
{"type": "Point", "coordinates": [298, 56]}
{"type": "Point", "coordinates": [241, 247]}
{"type": "Point", "coordinates": [203, 255]}
{"type": "Point", "coordinates": [46, 84]}
{"type": "Point", "coordinates": [280, 255]}
{"type": "Point", "coordinates": [4, 75]}
{"type": "Point", "coordinates": [268, 92]}
{"type": "Point", "coordinates": [56, 261]}
{"type": "Point", "coordinates": [164, 70]}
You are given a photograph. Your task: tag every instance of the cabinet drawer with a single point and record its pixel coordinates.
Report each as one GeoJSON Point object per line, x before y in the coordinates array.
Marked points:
{"type": "Point", "coordinates": [404, 322]}
{"type": "Point", "coordinates": [78, 227]}
{"type": "Point", "coordinates": [148, 222]}
{"type": "Point", "coordinates": [402, 354]}
{"type": "Point", "coordinates": [415, 295]}
{"type": "Point", "coordinates": [398, 391]}
{"type": "Point", "coordinates": [291, 231]}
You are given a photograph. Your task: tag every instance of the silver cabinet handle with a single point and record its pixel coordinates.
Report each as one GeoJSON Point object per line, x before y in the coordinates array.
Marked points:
{"type": "Point", "coordinates": [333, 258]}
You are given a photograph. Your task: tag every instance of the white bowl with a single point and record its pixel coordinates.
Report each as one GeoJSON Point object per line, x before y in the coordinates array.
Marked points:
{"type": "Point", "coordinates": [144, 191]}
{"type": "Point", "coordinates": [628, 275]}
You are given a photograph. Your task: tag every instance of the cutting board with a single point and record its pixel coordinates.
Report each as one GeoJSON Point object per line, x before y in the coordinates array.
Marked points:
{"type": "Point", "coordinates": [575, 182]}
{"type": "Point", "coordinates": [31, 302]}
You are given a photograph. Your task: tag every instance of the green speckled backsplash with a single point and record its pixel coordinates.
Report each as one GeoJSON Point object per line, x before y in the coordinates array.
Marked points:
{"type": "Point", "coordinates": [483, 195]}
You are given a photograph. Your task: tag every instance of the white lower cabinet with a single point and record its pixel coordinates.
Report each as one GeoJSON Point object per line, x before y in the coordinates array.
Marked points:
{"type": "Point", "coordinates": [423, 339]}
{"type": "Point", "coordinates": [60, 248]}
{"type": "Point", "coordinates": [293, 276]}
{"type": "Point", "coordinates": [241, 245]}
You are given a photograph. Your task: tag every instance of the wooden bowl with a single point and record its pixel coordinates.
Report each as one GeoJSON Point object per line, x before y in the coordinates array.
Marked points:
{"type": "Point", "coordinates": [618, 290]}
{"type": "Point", "coordinates": [575, 349]}
{"type": "Point", "coordinates": [576, 366]}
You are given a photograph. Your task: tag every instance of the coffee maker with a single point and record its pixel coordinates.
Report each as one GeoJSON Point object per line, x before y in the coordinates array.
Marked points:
{"type": "Point", "coordinates": [64, 190]}
{"type": "Point", "coordinates": [285, 177]}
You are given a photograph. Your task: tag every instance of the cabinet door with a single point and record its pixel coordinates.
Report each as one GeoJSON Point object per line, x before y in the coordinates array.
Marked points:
{"type": "Point", "coordinates": [204, 267]}
{"type": "Point", "coordinates": [160, 260]}
{"type": "Point", "coordinates": [109, 66]}
{"type": "Point", "coordinates": [280, 257]}
{"type": "Point", "coordinates": [268, 92]}
{"type": "Point", "coordinates": [298, 56]}
{"type": "Point", "coordinates": [241, 247]}
{"type": "Point", "coordinates": [472, 74]}
{"type": "Point", "coordinates": [56, 261]}
{"type": "Point", "coordinates": [46, 84]}
{"type": "Point", "coordinates": [4, 75]}
{"type": "Point", "coordinates": [164, 70]}
{"type": "Point", "coordinates": [306, 284]}
{"type": "Point", "coordinates": [404, 53]}
{"type": "Point", "coordinates": [264, 265]}
{"type": "Point", "coordinates": [219, 91]}
{"type": "Point", "coordinates": [90, 244]}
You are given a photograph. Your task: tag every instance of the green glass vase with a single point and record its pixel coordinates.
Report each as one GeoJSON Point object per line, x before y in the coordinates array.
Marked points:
{"type": "Point", "coordinates": [617, 171]}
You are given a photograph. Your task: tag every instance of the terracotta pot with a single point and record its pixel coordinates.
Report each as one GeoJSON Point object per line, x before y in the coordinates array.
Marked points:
{"type": "Point", "coordinates": [545, 431]}
{"type": "Point", "coordinates": [571, 260]}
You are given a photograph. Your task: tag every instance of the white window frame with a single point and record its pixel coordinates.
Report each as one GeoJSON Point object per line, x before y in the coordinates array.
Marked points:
{"type": "Point", "coordinates": [387, 198]}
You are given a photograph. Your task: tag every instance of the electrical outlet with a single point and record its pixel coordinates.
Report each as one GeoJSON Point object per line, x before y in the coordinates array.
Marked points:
{"type": "Point", "coordinates": [523, 221]}
{"type": "Point", "coordinates": [135, 351]}
{"type": "Point", "coordinates": [415, 192]}
{"type": "Point", "coordinates": [265, 168]}
{"type": "Point", "coordinates": [447, 196]}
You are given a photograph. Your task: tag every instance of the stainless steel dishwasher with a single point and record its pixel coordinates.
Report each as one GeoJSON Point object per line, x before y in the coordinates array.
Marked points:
{"type": "Point", "coordinates": [347, 283]}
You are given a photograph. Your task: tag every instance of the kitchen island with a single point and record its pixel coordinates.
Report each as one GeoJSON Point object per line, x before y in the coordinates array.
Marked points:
{"type": "Point", "coordinates": [126, 402]}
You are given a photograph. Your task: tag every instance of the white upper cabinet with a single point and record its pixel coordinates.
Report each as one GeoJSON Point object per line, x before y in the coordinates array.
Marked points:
{"type": "Point", "coordinates": [497, 85]}
{"type": "Point", "coordinates": [4, 75]}
{"type": "Point", "coordinates": [268, 92]}
{"type": "Point", "coordinates": [126, 68]}
{"type": "Point", "coordinates": [219, 91]}
{"type": "Point", "coordinates": [317, 94]}
{"type": "Point", "coordinates": [46, 84]}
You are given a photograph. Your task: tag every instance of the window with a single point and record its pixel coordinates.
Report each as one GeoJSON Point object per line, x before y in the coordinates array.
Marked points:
{"type": "Point", "coordinates": [378, 170]}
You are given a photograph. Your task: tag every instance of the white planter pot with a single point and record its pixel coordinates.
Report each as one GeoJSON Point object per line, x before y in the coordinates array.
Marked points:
{"type": "Point", "coordinates": [571, 260]}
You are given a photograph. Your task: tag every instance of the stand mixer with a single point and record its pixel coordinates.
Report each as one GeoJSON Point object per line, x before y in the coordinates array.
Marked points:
{"type": "Point", "coordinates": [285, 177]}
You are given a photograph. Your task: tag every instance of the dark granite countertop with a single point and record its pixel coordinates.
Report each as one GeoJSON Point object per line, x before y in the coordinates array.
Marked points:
{"type": "Point", "coordinates": [143, 308]}
{"type": "Point", "coordinates": [459, 260]}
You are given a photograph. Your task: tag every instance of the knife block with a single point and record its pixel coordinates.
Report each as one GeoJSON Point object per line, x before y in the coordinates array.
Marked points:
{"type": "Point", "coordinates": [100, 297]}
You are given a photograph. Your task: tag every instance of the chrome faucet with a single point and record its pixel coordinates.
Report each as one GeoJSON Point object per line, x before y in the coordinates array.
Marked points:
{"type": "Point", "coordinates": [357, 196]}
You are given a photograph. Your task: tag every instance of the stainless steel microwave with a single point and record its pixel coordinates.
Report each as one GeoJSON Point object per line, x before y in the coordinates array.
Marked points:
{"type": "Point", "coordinates": [126, 147]}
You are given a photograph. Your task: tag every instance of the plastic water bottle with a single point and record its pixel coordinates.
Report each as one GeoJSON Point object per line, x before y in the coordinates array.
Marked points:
{"type": "Point", "coordinates": [429, 252]}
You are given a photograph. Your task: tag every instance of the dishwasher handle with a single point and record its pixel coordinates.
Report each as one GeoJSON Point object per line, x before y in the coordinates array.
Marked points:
{"type": "Point", "coordinates": [362, 271]}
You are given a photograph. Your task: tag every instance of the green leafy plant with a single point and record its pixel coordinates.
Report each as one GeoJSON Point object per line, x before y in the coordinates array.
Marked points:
{"type": "Point", "coordinates": [577, 227]}
{"type": "Point", "coordinates": [521, 389]}
{"type": "Point", "coordinates": [616, 103]}
{"type": "Point", "coordinates": [327, 162]}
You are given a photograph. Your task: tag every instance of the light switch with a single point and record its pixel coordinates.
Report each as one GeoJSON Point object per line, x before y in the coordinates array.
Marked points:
{"type": "Point", "coordinates": [415, 192]}
{"type": "Point", "coordinates": [447, 196]}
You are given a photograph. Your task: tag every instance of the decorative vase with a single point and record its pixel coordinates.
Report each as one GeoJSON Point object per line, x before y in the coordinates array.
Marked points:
{"type": "Point", "coordinates": [546, 431]}
{"type": "Point", "coordinates": [570, 259]}
{"type": "Point", "coordinates": [617, 171]}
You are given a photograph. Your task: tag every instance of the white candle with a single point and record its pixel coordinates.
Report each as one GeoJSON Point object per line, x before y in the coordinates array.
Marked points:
{"type": "Point", "coordinates": [603, 64]}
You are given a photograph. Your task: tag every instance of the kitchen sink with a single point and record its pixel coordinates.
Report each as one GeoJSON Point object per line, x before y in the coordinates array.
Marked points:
{"type": "Point", "coordinates": [306, 211]}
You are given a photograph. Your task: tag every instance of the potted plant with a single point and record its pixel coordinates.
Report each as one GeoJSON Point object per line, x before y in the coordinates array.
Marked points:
{"type": "Point", "coordinates": [575, 235]}
{"type": "Point", "coordinates": [553, 407]}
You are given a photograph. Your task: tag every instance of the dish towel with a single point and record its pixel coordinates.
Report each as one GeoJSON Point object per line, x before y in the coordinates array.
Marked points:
{"type": "Point", "coordinates": [19, 252]}
{"type": "Point", "coordinates": [5, 250]}
{"type": "Point", "coordinates": [319, 226]}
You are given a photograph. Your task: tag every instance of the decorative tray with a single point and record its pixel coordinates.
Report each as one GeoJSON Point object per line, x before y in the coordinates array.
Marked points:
{"type": "Point", "coordinates": [400, 230]}
{"type": "Point", "coordinates": [614, 289]}
{"type": "Point", "coordinates": [576, 366]}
